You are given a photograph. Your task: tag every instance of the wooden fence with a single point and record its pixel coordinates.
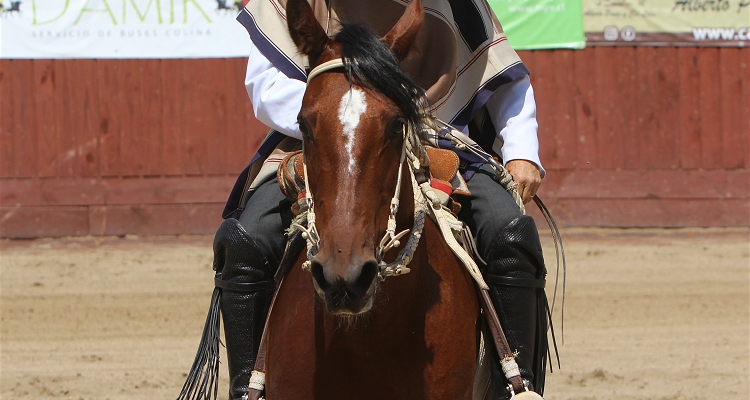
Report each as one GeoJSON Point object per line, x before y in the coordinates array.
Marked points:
{"type": "Point", "coordinates": [630, 136]}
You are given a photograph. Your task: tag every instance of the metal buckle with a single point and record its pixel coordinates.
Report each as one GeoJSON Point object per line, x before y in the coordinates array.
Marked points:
{"type": "Point", "coordinates": [527, 394]}
{"type": "Point", "coordinates": [513, 392]}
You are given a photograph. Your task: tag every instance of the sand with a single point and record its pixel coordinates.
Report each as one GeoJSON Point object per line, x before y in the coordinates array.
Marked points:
{"type": "Point", "coordinates": [649, 314]}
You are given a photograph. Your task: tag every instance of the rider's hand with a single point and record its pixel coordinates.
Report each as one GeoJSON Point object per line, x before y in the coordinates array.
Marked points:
{"type": "Point", "coordinates": [527, 177]}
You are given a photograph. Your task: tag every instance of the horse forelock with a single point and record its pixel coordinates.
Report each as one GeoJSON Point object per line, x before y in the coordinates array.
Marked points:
{"type": "Point", "coordinates": [370, 63]}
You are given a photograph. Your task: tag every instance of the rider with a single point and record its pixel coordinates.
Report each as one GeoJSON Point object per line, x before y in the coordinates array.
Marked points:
{"type": "Point", "coordinates": [474, 81]}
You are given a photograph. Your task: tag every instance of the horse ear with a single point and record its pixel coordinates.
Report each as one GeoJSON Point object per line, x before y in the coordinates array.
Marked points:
{"type": "Point", "coordinates": [401, 36]}
{"type": "Point", "coordinates": [306, 32]}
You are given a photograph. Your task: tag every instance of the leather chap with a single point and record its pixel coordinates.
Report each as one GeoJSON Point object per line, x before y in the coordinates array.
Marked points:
{"type": "Point", "coordinates": [244, 288]}
{"type": "Point", "coordinates": [246, 282]}
{"type": "Point", "coordinates": [515, 273]}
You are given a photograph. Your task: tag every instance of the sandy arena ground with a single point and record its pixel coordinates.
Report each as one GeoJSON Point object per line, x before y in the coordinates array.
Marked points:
{"type": "Point", "coordinates": [649, 314]}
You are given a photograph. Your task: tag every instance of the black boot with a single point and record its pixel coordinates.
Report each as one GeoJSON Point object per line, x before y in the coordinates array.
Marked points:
{"type": "Point", "coordinates": [244, 288]}
{"type": "Point", "coordinates": [515, 273]}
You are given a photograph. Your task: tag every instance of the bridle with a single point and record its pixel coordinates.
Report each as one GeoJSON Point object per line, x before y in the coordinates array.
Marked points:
{"type": "Point", "coordinates": [413, 150]}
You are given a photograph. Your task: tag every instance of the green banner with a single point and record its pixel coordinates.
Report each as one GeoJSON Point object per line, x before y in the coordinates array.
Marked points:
{"type": "Point", "coordinates": [541, 24]}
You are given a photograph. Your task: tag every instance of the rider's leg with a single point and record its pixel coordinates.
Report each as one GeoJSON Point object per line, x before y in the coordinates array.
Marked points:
{"type": "Point", "coordinates": [509, 243]}
{"type": "Point", "coordinates": [247, 252]}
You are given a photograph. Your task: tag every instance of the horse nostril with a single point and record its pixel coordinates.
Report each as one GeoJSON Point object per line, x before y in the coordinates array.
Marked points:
{"type": "Point", "coordinates": [316, 269]}
{"type": "Point", "coordinates": [366, 276]}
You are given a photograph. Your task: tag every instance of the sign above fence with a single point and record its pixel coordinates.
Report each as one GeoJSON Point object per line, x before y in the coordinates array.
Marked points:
{"type": "Point", "coordinates": [541, 24]}
{"type": "Point", "coordinates": [121, 29]}
{"type": "Point", "coordinates": [667, 22]}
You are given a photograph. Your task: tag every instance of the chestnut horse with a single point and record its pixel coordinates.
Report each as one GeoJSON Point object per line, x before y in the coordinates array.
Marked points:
{"type": "Point", "coordinates": [349, 334]}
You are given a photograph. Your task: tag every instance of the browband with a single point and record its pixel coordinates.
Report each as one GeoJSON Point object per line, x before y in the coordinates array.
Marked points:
{"type": "Point", "coordinates": [326, 66]}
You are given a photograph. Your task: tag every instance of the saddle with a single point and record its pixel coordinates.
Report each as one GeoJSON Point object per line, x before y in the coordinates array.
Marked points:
{"type": "Point", "coordinates": [445, 178]}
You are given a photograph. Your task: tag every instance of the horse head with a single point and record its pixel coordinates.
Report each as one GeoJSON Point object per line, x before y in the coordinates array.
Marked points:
{"type": "Point", "coordinates": [353, 119]}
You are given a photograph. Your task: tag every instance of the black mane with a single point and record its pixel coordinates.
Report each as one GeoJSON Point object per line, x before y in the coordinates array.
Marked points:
{"type": "Point", "coordinates": [370, 63]}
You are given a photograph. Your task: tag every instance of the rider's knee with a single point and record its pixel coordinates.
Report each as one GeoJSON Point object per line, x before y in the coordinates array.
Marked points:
{"type": "Point", "coordinates": [237, 257]}
{"type": "Point", "coordinates": [516, 248]}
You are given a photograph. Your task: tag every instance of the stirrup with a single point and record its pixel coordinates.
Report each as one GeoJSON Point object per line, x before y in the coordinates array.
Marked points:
{"type": "Point", "coordinates": [525, 395]}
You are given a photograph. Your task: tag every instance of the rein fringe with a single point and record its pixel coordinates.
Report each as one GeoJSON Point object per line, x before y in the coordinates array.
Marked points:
{"type": "Point", "coordinates": [545, 309]}
{"type": "Point", "coordinates": [203, 380]}
{"type": "Point", "coordinates": [560, 257]}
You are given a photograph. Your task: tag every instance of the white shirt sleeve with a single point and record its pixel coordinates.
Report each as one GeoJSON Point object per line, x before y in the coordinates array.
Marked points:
{"type": "Point", "coordinates": [513, 112]}
{"type": "Point", "coordinates": [276, 98]}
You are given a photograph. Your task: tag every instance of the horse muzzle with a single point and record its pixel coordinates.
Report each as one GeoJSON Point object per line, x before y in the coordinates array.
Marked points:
{"type": "Point", "coordinates": [350, 291]}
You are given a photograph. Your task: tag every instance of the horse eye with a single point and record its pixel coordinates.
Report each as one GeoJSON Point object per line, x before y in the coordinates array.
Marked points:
{"type": "Point", "coordinates": [303, 127]}
{"type": "Point", "coordinates": [398, 126]}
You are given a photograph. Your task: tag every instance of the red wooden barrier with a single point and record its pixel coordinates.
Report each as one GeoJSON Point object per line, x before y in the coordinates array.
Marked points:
{"type": "Point", "coordinates": [630, 136]}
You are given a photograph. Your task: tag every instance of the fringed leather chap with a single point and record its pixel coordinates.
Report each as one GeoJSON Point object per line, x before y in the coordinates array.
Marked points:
{"type": "Point", "coordinates": [515, 273]}
{"type": "Point", "coordinates": [244, 288]}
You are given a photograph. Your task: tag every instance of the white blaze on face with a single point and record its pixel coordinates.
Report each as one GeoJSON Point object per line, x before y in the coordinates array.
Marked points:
{"type": "Point", "coordinates": [352, 106]}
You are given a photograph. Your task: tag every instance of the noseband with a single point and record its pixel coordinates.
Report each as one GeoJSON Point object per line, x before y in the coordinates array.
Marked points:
{"type": "Point", "coordinates": [391, 239]}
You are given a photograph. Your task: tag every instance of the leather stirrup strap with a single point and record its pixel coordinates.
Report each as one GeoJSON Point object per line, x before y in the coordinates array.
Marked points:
{"type": "Point", "coordinates": [501, 343]}
{"type": "Point", "coordinates": [260, 359]}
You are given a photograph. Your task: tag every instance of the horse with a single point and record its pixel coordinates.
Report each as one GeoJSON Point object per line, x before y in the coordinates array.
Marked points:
{"type": "Point", "coordinates": [350, 333]}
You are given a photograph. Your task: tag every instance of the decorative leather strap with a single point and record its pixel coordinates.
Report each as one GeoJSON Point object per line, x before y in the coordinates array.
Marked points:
{"type": "Point", "coordinates": [244, 287]}
{"type": "Point", "coordinates": [518, 282]}
{"type": "Point", "coordinates": [507, 359]}
{"type": "Point", "coordinates": [289, 176]}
